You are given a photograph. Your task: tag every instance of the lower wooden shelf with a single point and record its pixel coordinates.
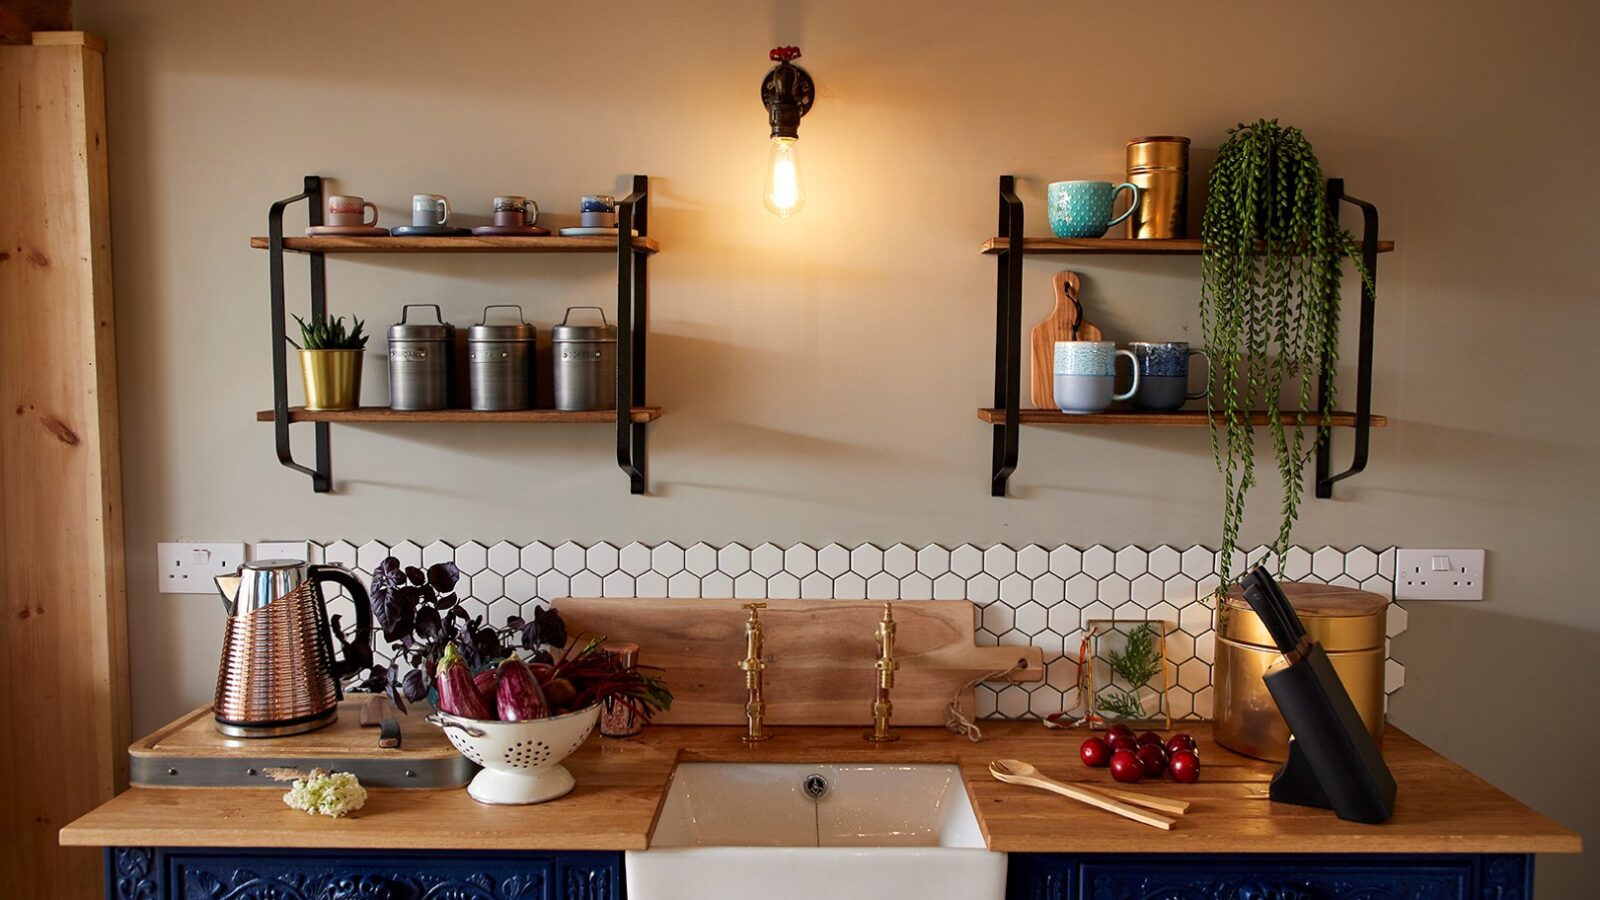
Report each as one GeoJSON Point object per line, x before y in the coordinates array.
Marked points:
{"type": "Point", "coordinates": [1182, 417]}
{"type": "Point", "coordinates": [383, 414]}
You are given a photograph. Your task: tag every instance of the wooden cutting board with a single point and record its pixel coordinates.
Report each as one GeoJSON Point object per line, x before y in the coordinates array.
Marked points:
{"type": "Point", "coordinates": [1057, 327]}
{"type": "Point", "coordinates": [819, 654]}
{"type": "Point", "coordinates": [190, 752]}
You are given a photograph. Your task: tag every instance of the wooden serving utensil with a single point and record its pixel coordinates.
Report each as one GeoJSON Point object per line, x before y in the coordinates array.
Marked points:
{"type": "Point", "coordinates": [1015, 771]}
{"type": "Point", "coordinates": [1065, 323]}
{"type": "Point", "coordinates": [1133, 798]}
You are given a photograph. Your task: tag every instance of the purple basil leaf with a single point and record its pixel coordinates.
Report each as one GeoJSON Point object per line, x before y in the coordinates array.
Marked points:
{"type": "Point", "coordinates": [446, 601]}
{"type": "Point", "coordinates": [443, 577]}
{"type": "Point", "coordinates": [487, 643]}
{"type": "Point", "coordinates": [414, 686]}
{"type": "Point", "coordinates": [514, 623]}
{"type": "Point", "coordinates": [415, 575]}
{"type": "Point", "coordinates": [429, 625]}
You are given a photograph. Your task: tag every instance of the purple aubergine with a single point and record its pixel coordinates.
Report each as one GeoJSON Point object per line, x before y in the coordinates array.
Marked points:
{"type": "Point", "coordinates": [519, 696]}
{"type": "Point", "coordinates": [458, 696]}
{"type": "Point", "coordinates": [485, 683]}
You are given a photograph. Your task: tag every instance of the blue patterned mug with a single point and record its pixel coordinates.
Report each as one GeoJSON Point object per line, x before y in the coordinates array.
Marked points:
{"type": "Point", "coordinates": [1086, 374]}
{"type": "Point", "coordinates": [1082, 209]}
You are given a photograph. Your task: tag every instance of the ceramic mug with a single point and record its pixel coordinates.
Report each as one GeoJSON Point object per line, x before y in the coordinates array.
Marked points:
{"type": "Point", "coordinates": [1082, 209]}
{"type": "Point", "coordinates": [597, 211]}
{"type": "Point", "coordinates": [513, 211]}
{"type": "Point", "coordinates": [1163, 368]}
{"type": "Point", "coordinates": [347, 211]}
{"type": "Point", "coordinates": [1086, 375]}
{"type": "Point", "coordinates": [428, 210]}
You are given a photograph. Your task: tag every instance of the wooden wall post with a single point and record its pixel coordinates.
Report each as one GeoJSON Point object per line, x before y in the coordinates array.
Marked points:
{"type": "Point", "coordinates": [63, 641]}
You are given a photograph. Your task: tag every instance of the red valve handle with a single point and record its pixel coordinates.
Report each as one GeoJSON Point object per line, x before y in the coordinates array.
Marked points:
{"type": "Point", "coordinates": [784, 54]}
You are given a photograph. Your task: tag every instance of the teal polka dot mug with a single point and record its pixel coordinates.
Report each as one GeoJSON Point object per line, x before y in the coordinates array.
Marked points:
{"type": "Point", "coordinates": [1082, 209]}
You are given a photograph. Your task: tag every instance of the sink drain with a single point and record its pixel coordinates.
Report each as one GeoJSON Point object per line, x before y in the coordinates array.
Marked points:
{"type": "Point", "coordinates": [814, 786]}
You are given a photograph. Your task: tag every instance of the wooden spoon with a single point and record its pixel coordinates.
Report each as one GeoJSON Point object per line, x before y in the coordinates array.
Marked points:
{"type": "Point", "coordinates": [1014, 771]}
{"type": "Point", "coordinates": [1160, 804]}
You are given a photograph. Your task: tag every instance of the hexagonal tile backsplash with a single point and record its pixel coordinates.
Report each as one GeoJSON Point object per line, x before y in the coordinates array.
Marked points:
{"type": "Point", "coordinates": [1025, 595]}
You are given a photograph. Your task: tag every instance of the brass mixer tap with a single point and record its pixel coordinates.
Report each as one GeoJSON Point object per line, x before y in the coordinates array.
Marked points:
{"type": "Point", "coordinates": [755, 708]}
{"type": "Point", "coordinates": [885, 667]}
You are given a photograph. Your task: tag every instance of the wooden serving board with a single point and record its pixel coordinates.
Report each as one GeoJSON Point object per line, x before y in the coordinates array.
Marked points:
{"type": "Point", "coordinates": [1056, 327]}
{"type": "Point", "coordinates": [190, 752]}
{"type": "Point", "coordinates": [819, 654]}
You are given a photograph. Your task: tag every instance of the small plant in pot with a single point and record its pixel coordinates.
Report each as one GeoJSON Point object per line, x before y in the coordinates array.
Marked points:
{"type": "Point", "coordinates": [330, 361]}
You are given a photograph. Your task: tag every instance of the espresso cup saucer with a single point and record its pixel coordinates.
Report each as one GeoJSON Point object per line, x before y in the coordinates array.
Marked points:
{"type": "Point", "coordinates": [346, 231]}
{"type": "Point", "coordinates": [582, 231]}
{"type": "Point", "coordinates": [428, 231]}
{"type": "Point", "coordinates": [510, 231]}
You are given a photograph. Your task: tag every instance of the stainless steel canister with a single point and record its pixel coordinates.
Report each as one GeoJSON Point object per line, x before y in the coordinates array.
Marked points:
{"type": "Point", "coordinates": [500, 362]}
{"type": "Point", "coordinates": [1159, 165]}
{"type": "Point", "coordinates": [419, 361]}
{"type": "Point", "coordinates": [585, 363]}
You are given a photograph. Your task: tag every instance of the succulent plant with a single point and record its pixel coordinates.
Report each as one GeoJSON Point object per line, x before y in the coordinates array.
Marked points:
{"type": "Point", "coordinates": [323, 333]}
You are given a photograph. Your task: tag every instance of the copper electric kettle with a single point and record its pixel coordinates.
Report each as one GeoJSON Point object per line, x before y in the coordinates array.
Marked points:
{"type": "Point", "coordinates": [278, 674]}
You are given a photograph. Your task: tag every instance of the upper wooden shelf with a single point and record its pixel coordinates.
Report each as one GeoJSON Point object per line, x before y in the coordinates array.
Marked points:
{"type": "Point", "coordinates": [1182, 417]}
{"type": "Point", "coordinates": [1178, 246]}
{"type": "Point", "coordinates": [463, 244]}
{"type": "Point", "coordinates": [383, 414]}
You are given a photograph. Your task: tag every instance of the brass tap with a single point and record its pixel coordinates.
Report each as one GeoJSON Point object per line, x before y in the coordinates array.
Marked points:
{"type": "Point", "coordinates": [885, 667]}
{"type": "Point", "coordinates": [755, 708]}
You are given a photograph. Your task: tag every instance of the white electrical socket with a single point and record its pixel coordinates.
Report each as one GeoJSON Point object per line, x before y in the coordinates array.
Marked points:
{"type": "Point", "coordinates": [1438, 574]}
{"type": "Point", "coordinates": [281, 550]}
{"type": "Point", "coordinates": [189, 568]}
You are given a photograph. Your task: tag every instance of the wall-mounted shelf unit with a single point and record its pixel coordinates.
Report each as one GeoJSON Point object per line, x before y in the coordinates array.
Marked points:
{"type": "Point", "coordinates": [1007, 416]}
{"type": "Point", "coordinates": [632, 317]}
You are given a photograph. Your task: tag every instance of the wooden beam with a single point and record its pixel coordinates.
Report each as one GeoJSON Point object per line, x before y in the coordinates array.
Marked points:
{"type": "Point", "coordinates": [20, 18]}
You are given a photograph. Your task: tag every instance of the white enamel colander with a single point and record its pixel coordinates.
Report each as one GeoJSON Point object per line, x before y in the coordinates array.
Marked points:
{"type": "Point", "coordinates": [521, 760]}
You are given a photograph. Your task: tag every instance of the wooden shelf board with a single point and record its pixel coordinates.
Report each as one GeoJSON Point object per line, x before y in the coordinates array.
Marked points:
{"type": "Point", "coordinates": [383, 414]}
{"type": "Point", "coordinates": [1182, 417]}
{"type": "Point", "coordinates": [1176, 246]}
{"type": "Point", "coordinates": [464, 244]}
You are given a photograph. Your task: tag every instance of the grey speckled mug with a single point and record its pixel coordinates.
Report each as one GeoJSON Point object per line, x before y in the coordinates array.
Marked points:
{"type": "Point", "coordinates": [1085, 376]}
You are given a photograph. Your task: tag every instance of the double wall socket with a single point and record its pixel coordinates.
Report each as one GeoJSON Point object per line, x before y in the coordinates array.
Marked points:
{"type": "Point", "coordinates": [189, 568]}
{"type": "Point", "coordinates": [1438, 574]}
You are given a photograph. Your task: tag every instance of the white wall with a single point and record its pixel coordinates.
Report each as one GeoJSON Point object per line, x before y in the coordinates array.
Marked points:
{"type": "Point", "coordinates": [819, 375]}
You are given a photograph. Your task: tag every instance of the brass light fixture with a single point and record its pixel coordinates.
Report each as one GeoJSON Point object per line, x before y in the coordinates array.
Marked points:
{"type": "Point", "coordinates": [787, 92]}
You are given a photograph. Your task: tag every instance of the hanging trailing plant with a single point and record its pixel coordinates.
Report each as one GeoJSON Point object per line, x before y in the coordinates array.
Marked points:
{"type": "Point", "coordinates": [1269, 308]}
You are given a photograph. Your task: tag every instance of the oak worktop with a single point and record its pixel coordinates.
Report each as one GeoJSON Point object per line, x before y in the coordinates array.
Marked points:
{"type": "Point", "coordinates": [1442, 808]}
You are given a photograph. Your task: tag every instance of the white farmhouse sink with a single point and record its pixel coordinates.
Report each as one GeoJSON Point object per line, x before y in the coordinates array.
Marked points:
{"type": "Point", "coordinates": [738, 830]}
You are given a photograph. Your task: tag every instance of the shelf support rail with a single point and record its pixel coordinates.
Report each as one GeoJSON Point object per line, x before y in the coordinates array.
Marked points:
{"type": "Point", "coordinates": [322, 474]}
{"type": "Point", "coordinates": [633, 214]}
{"type": "Point", "coordinates": [1007, 337]}
{"type": "Point", "coordinates": [1363, 411]}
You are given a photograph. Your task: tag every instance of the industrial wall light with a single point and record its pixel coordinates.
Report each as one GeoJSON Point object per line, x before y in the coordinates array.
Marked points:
{"type": "Point", "coordinates": [787, 92]}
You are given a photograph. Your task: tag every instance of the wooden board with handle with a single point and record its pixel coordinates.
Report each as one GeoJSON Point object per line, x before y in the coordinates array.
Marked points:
{"type": "Point", "coordinates": [819, 655]}
{"type": "Point", "coordinates": [1057, 327]}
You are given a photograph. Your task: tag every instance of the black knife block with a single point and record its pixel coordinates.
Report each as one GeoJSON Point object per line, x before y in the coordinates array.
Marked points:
{"type": "Point", "coordinates": [1333, 761]}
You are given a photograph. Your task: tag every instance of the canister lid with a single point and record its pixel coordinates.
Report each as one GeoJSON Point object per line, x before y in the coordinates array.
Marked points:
{"type": "Point", "coordinates": [438, 330]}
{"type": "Point", "coordinates": [1339, 618]}
{"type": "Point", "coordinates": [1160, 151]}
{"type": "Point", "coordinates": [513, 331]}
{"type": "Point", "coordinates": [602, 332]}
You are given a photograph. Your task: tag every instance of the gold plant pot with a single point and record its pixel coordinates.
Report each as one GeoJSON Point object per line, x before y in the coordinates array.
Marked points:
{"type": "Point", "coordinates": [332, 378]}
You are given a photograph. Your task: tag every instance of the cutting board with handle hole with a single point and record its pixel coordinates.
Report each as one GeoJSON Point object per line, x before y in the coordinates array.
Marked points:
{"type": "Point", "coordinates": [1057, 327]}
{"type": "Point", "coordinates": [819, 654]}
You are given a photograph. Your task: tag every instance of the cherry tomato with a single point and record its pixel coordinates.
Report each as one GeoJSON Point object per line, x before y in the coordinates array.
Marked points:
{"type": "Point", "coordinates": [1125, 766]}
{"type": "Point", "coordinates": [1150, 737]}
{"type": "Point", "coordinates": [1095, 753]}
{"type": "Point", "coordinates": [1122, 742]}
{"type": "Point", "coordinates": [1185, 766]}
{"type": "Point", "coordinates": [1117, 729]}
{"type": "Point", "coordinates": [1179, 742]}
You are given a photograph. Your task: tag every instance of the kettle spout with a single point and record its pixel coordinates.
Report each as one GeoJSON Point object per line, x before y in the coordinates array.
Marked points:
{"type": "Point", "coordinates": [228, 587]}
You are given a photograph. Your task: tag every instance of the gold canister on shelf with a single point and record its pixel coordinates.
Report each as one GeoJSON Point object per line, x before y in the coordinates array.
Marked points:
{"type": "Point", "coordinates": [1350, 625]}
{"type": "Point", "coordinates": [332, 378]}
{"type": "Point", "coordinates": [1159, 165]}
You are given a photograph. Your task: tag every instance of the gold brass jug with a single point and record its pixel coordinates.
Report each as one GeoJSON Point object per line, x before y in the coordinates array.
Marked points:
{"type": "Point", "coordinates": [1159, 166]}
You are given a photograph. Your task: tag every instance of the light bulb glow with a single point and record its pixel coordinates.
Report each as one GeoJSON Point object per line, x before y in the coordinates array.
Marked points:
{"type": "Point", "coordinates": [785, 193]}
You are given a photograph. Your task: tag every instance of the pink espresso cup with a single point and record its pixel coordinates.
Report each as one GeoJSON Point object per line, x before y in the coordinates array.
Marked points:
{"type": "Point", "coordinates": [347, 211]}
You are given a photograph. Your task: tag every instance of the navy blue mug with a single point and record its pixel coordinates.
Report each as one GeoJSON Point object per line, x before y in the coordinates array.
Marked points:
{"type": "Point", "coordinates": [1164, 374]}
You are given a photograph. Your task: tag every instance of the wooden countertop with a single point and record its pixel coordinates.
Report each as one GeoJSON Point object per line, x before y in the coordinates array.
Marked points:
{"type": "Point", "coordinates": [1442, 808]}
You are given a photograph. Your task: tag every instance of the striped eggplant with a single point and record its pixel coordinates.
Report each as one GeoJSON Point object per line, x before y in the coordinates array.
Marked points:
{"type": "Point", "coordinates": [485, 683]}
{"type": "Point", "coordinates": [519, 696]}
{"type": "Point", "coordinates": [458, 695]}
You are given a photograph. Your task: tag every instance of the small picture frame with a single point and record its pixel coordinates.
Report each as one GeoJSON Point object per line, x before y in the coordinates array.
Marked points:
{"type": "Point", "coordinates": [1127, 672]}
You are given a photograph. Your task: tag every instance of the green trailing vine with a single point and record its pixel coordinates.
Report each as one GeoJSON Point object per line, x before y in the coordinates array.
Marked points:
{"type": "Point", "coordinates": [1269, 310]}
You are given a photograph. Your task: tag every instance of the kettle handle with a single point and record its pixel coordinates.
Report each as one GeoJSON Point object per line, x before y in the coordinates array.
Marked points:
{"type": "Point", "coordinates": [341, 576]}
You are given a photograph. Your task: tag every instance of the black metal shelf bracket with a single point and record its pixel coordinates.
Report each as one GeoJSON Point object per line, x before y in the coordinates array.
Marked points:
{"type": "Point", "coordinates": [1007, 337]}
{"type": "Point", "coordinates": [633, 285]}
{"type": "Point", "coordinates": [322, 473]}
{"type": "Point", "coordinates": [633, 302]}
{"type": "Point", "coordinates": [1369, 283]}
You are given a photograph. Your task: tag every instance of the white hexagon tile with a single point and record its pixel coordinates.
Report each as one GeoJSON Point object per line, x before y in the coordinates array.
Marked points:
{"type": "Point", "coordinates": [1027, 594]}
